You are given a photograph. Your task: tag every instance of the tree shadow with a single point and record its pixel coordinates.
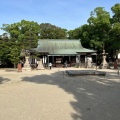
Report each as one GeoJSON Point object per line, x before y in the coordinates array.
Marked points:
{"type": "Point", "coordinates": [3, 80]}
{"type": "Point", "coordinates": [97, 97]}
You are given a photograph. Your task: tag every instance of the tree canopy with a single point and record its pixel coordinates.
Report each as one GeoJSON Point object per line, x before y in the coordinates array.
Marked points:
{"type": "Point", "coordinates": [101, 32]}
{"type": "Point", "coordinates": [49, 31]}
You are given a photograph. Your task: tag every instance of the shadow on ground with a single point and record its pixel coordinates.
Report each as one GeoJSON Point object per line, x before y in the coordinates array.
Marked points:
{"type": "Point", "coordinates": [11, 70]}
{"type": "Point", "coordinates": [3, 80]}
{"type": "Point", "coordinates": [97, 97]}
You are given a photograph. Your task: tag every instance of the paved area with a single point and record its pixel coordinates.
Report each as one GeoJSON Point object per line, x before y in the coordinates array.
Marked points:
{"type": "Point", "coordinates": [53, 95]}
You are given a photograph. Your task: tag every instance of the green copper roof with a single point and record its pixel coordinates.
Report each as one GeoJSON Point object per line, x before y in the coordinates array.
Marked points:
{"type": "Point", "coordinates": [61, 47]}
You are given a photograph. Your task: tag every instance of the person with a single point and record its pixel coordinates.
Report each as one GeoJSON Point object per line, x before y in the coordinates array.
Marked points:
{"type": "Point", "coordinates": [50, 65]}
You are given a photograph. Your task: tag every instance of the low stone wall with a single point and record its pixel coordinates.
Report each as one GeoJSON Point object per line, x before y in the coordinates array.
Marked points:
{"type": "Point", "coordinates": [84, 72]}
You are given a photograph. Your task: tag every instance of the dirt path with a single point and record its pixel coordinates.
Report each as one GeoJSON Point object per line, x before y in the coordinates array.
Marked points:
{"type": "Point", "coordinates": [50, 95]}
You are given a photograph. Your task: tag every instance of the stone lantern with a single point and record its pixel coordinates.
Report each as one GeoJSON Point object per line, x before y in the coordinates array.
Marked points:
{"type": "Point", "coordinates": [104, 64]}
{"type": "Point", "coordinates": [27, 66]}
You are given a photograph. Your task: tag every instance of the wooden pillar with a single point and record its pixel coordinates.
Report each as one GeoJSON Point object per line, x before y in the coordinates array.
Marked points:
{"type": "Point", "coordinates": [43, 59]}
{"type": "Point", "coordinates": [79, 60]}
{"type": "Point", "coordinates": [96, 61]}
{"type": "Point", "coordinates": [70, 60]}
{"type": "Point", "coordinates": [48, 59]}
{"type": "Point", "coordinates": [53, 59]}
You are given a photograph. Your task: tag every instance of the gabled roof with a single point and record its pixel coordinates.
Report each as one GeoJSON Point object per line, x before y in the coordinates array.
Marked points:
{"type": "Point", "coordinates": [61, 47]}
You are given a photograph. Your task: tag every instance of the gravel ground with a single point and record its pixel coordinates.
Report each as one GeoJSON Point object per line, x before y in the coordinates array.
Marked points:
{"type": "Point", "coordinates": [53, 95]}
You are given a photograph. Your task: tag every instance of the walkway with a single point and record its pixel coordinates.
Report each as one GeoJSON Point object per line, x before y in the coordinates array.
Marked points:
{"type": "Point", "coordinates": [53, 95]}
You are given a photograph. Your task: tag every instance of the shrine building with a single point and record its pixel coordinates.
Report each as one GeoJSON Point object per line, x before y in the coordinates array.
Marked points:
{"type": "Point", "coordinates": [58, 51]}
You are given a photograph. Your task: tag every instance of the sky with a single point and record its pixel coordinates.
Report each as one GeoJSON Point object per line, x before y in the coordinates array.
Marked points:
{"type": "Point", "coordinates": [68, 14]}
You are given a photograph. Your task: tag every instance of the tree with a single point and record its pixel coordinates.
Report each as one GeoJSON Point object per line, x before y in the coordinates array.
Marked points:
{"type": "Point", "coordinates": [14, 55]}
{"type": "Point", "coordinates": [25, 33]}
{"type": "Point", "coordinates": [100, 22]}
{"type": "Point", "coordinates": [4, 48]}
{"type": "Point", "coordinates": [86, 34]}
{"type": "Point", "coordinates": [49, 31]}
{"type": "Point", "coordinates": [116, 11]}
{"type": "Point", "coordinates": [115, 32]}
{"type": "Point", "coordinates": [75, 34]}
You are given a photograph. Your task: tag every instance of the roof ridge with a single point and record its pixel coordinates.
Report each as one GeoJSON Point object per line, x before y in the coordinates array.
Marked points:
{"type": "Point", "coordinates": [60, 39]}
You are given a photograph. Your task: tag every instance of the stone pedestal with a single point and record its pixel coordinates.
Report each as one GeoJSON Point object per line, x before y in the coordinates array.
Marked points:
{"type": "Point", "coordinates": [104, 65]}
{"type": "Point", "coordinates": [40, 65]}
{"type": "Point", "coordinates": [26, 65]}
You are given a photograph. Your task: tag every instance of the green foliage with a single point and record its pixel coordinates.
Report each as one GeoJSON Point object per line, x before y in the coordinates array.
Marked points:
{"type": "Point", "coordinates": [101, 32]}
{"type": "Point", "coordinates": [49, 31]}
{"type": "Point", "coordinates": [116, 11]}
{"type": "Point", "coordinates": [100, 20]}
{"type": "Point", "coordinates": [6, 46]}
{"type": "Point", "coordinates": [115, 31]}
{"type": "Point", "coordinates": [25, 33]}
{"type": "Point", "coordinates": [14, 55]}
{"type": "Point", "coordinates": [75, 34]}
{"type": "Point", "coordinates": [86, 35]}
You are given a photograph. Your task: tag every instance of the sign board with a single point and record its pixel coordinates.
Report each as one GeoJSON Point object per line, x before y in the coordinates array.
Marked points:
{"type": "Point", "coordinates": [118, 55]}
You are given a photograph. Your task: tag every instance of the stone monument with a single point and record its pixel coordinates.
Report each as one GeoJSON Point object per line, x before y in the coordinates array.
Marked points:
{"type": "Point", "coordinates": [89, 63]}
{"type": "Point", "coordinates": [104, 64]}
{"type": "Point", "coordinates": [40, 65]}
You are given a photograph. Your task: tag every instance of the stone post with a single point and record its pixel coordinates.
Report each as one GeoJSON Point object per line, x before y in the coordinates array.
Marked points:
{"type": "Point", "coordinates": [40, 65]}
